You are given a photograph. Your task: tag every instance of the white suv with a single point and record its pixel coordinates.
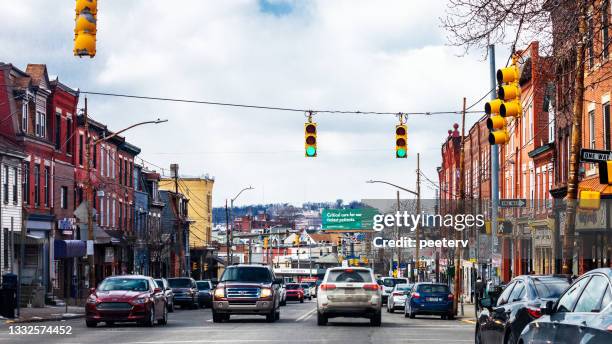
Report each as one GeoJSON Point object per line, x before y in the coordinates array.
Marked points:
{"type": "Point", "coordinates": [349, 292]}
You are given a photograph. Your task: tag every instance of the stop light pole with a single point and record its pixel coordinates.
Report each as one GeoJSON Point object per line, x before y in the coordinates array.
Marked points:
{"type": "Point", "coordinates": [494, 163]}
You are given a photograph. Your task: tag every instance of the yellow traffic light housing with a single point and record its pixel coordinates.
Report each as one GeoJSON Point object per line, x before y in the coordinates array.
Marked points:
{"type": "Point", "coordinates": [609, 164]}
{"type": "Point", "coordinates": [510, 109]}
{"type": "Point", "coordinates": [265, 243]}
{"type": "Point", "coordinates": [498, 133]}
{"type": "Point", "coordinates": [296, 240]}
{"type": "Point", "coordinates": [507, 75]}
{"type": "Point", "coordinates": [310, 138]}
{"type": "Point", "coordinates": [493, 107]}
{"type": "Point", "coordinates": [589, 200]}
{"type": "Point", "coordinates": [85, 28]}
{"type": "Point", "coordinates": [401, 141]}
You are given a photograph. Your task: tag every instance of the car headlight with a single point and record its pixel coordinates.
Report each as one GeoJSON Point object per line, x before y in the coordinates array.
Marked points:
{"type": "Point", "coordinates": [141, 300]}
{"type": "Point", "coordinates": [265, 292]}
{"type": "Point", "coordinates": [219, 292]}
{"type": "Point", "coordinates": [92, 299]}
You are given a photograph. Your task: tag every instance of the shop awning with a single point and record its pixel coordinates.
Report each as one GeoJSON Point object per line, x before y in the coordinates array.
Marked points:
{"type": "Point", "coordinates": [592, 184]}
{"type": "Point", "coordinates": [69, 248]}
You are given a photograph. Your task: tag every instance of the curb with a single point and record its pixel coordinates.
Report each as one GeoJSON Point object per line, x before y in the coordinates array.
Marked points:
{"type": "Point", "coordinates": [35, 320]}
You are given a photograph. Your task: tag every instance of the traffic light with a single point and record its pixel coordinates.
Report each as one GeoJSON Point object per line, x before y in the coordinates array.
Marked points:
{"type": "Point", "coordinates": [85, 28]}
{"type": "Point", "coordinates": [310, 139]}
{"type": "Point", "coordinates": [589, 200]}
{"type": "Point", "coordinates": [497, 127]}
{"type": "Point", "coordinates": [509, 91]}
{"type": "Point", "coordinates": [296, 240]}
{"type": "Point", "coordinates": [265, 243]}
{"type": "Point", "coordinates": [401, 141]}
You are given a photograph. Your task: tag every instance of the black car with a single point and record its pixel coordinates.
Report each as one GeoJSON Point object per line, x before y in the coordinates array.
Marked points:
{"type": "Point", "coordinates": [185, 291]}
{"type": "Point", "coordinates": [162, 283]}
{"type": "Point", "coordinates": [518, 305]}
{"type": "Point", "coordinates": [204, 293]}
{"type": "Point", "coordinates": [583, 313]}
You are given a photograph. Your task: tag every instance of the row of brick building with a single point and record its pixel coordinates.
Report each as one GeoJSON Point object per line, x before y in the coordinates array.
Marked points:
{"type": "Point", "coordinates": [137, 226]}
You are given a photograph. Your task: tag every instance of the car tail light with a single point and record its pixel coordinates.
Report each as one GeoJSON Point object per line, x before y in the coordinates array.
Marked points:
{"type": "Point", "coordinates": [415, 295]}
{"type": "Point", "coordinates": [534, 312]}
{"type": "Point", "coordinates": [373, 287]}
{"type": "Point", "coordinates": [451, 296]}
{"type": "Point", "coordinates": [327, 286]}
{"type": "Point", "coordinates": [609, 328]}
{"type": "Point", "coordinates": [397, 294]}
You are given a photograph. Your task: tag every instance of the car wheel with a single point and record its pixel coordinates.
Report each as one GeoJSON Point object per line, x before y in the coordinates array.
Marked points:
{"type": "Point", "coordinates": [302, 300]}
{"type": "Point", "coordinates": [171, 307]}
{"type": "Point", "coordinates": [151, 321]}
{"type": "Point", "coordinates": [277, 315]}
{"type": "Point", "coordinates": [450, 316]}
{"type": "Point", "coordinates": [405, 314]}
{"type": "Point", "coordinates": [217, 317]}
{"type": "Point", "coordinates": [283, 303]}
{"type": "Point", "coordinates": [195, 304]}
{"type": "Point", "coordinates": [511, 338]}
{"type": "Point", "coordinates": [478, 338]}
{"type": "Point", "coordinates": [164, 319]}
{"type": "Point", "coordinates": [91, 323]}
{"type": "Point", "coordinates": [321, 319]}
{"type": "Point", "coordinates": [376, 319]}
{"type": "Point", "coordinates": [110, 323]}
{"type": "Point", "coordinates": [391, 309]}
{"type": "Point", "coordinates": [270, 317]}
{"type": "Point", "coordinates": [443, 317]}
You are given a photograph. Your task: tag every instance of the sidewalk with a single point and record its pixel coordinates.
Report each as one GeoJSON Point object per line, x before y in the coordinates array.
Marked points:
{"type": "Point", "coordinates": [48, 313]}
{"type": "Point", "coordinates": [469, 314]}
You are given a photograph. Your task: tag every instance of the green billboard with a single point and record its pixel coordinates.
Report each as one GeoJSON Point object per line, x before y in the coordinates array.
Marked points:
{"type": "Point", "coordinates": [348, 219]}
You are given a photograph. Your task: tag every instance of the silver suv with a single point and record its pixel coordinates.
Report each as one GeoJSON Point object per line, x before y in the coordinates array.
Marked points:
{"type": "Point", "coordinates": [349, 292]}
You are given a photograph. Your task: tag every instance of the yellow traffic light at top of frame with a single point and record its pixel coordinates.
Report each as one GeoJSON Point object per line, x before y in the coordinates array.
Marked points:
{"type": "Point", "coordinates": [85, 28]}
{"type": "Point", "coordinates": [401, 141]}
{"type": "Point", "coordinates": [509, 90]}
{"type": "Point", "coordinates": [310, 137]}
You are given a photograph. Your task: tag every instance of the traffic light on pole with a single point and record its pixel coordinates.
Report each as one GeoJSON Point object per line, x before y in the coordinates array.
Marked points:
{"type": "Point", "coordinates": [401, 141]}
{"type": "Point", "coordinates": [265, 243]}
{"type": "Point", "coordinates": [85, 28]}
{"type": "Point", "coordinates": [310, 139]}
{"type": "Point", "coordinates": [296, 240]}
{"type": "Point", "coordinates": [509, 91]}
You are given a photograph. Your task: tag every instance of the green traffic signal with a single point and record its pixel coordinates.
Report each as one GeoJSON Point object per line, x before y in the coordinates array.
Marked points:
{"type": "Point", "coordinates": [401, 153]}
{"type": "Point", "coordinates": [311, 151]}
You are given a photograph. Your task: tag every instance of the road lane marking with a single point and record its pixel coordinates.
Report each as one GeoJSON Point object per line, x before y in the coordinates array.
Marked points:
{"type": "Point", "coordinates": [469, 321]}
{"type": "Point", "coordinates": [303, 316]}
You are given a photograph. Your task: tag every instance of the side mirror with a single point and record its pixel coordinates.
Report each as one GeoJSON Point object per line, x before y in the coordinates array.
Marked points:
{"type": "Point", "coordinates": [548, 308]}
{"type": "Point", "coordinates": [92, 290]}
{"type": "Point", "coordinates": [485, 303]}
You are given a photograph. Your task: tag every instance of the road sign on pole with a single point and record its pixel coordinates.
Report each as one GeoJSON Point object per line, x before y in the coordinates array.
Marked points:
{"type": "Point", "coordinates": [513, 203]}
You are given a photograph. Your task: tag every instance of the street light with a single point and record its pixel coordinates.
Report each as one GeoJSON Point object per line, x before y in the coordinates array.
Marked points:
{"type": "Point", "coordinates": [89, 189]}
{"type": "Point", "coordinates": [227, 230]}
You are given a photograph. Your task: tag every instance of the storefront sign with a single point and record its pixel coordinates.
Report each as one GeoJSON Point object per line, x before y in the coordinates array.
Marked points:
{"type": "Point", "coordinates": [591, 219]}
{"type": "Point", "coordinates": [109, 254]}
{"type": "Point", "coordinates": [542, 238]}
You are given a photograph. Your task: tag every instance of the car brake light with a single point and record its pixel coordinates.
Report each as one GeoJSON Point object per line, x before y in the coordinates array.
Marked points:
{"type": "Point", "coordinates": [534, 312]}
{"type": "Point", "coordinates": [327, 286]}
{"type": "Point", "coordinates": [349, 270]}
{"type": "Point", "coordinates": [370, 287]}
{"type": "Point", "coordinates": [415, 295]}
{"type": "Point", "coordinates": [397, 294]}
{"type": "Point", "coordinates": [609, 328]}
{"type": "Point", "coordinates": [451, 296]}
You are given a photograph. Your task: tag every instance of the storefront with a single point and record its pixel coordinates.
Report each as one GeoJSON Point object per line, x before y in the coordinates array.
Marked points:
{"type": "Point", "coordinates": [593, 235]}
{"type": "Point", "coordinates": [542, 239]}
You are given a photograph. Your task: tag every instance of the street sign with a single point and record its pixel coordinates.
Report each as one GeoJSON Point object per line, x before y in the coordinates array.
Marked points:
{"type": "Point", "coordinates": [348, 220]}
{"type": "Point", "coordinates": [513, 203]}
{"type": "Point", "coordinates": [594, 155]}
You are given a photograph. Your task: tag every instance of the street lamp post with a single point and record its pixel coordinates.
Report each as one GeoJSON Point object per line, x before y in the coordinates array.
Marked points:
{"type": "Point", "coordinates": [231, 216]}
{"type": "Point", "coordinates": [88, 184]}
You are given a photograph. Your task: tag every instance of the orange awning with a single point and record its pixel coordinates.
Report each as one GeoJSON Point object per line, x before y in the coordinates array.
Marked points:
{"type": "Point", "coordinates": [592, 184]}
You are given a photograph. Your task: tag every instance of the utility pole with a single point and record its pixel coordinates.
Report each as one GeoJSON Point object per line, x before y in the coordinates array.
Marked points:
{"type": "Point", "coordinates": [88, 196]}
{"type": "Point", "coordinates": [418, 210]}
{"type": "Point", "coordinates": [227, 235]}
{"type": "Point", "coordinates": [397, 236]}
{"type": "Point", "coordinates": [458, 251]}
{"type": "Point", "coordinates": [494, 162]}
{"type": "Point", "coordinates": [24, 232]}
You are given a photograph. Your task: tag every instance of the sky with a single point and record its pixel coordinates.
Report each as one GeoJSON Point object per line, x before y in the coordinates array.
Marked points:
{"type": "Point", "coordinates": [389, 56]}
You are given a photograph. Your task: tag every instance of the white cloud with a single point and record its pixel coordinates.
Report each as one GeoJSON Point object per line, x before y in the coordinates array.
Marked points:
{"type": "Point", "coordinates": [354, 55]}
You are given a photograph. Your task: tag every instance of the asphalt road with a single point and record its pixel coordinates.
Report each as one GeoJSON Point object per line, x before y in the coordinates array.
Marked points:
{"type": "Point", "coordinates": [298, 324]}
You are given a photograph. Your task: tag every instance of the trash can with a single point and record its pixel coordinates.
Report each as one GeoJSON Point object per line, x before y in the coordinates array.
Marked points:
{"type": "Point", "coordinates": [8, 295]}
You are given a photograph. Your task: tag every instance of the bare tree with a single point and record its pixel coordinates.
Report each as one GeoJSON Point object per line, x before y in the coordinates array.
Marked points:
{"type": "Point", "coordinates": [566, 30]}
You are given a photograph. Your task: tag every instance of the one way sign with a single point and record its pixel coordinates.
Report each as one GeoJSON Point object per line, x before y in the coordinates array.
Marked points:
{"type": "Point", "coordinates": [513, 203]}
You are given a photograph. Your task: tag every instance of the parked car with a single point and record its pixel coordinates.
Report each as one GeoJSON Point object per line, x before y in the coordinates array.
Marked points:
{"type": "Point", "coordinates": [313, 288]}
{"type": "Point", "coordinates": [387, 284]}
{"type": "Point", "coordinates": [295, 292]}
{"type": "Point", "coordinates": [397, 299]}
{"type": "Point", "coordinates": [430, 299]}
{"type": "Point", "coordinates": [283, 292]}
{"type": "Point", "coordinates": [185, 291]}
{"type": "Point", "coordinates": [307, 290]}
{"type": "Point", "coordinates": [349, 292]}
{"type": "Point", "coordinates": [162, 283]}
{"type": "Point", "coordinates": [518, 305]}
{"type": "Point", "coordinates": [131, 298]}
{"type": "Point", "coordinates": [204, 293]}
{"type": "Point", "coordinates": [247, 289]}
{"type": "Point", "coordinates": [582, 314]}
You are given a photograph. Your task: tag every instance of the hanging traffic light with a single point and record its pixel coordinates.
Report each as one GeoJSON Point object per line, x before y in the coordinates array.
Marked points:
{"type": "Point", "coordinates": [509, 91]}
{"type": "Point", "coordinates": [498, 134]}
{"type": "Point", "coordinates": [296, 240]}
{"type": "Point", "coordinates": [310, 138]}
{"type": "Point", "coordinates": [589, 200]}
{"type": "Point", "coordinates": [265, 243]}
{"type": "Point", "coordinates": [85, 28]}
{"type": "Point", "coordinates": [401, 141]}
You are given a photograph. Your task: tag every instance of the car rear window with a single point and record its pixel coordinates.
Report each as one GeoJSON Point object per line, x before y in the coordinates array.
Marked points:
{"type": "Point", "coordinates": [179, 282]}
{"type": "Point", "coordinates": [433, 288]}
{"type": "Point", "coordinates": [349, 275]}
{"type": "Point", "coordinates": [550, 288]}
{"type": "Point", "coordinates": [403, 287]}
{"type": "Point", "coordinates": [391, 282]}
{"type": "Point", "coordinates": [203, 285]}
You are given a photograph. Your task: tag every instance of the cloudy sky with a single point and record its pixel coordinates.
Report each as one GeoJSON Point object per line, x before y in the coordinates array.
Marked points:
{"type": "Point", "coordinates": [386, 56]}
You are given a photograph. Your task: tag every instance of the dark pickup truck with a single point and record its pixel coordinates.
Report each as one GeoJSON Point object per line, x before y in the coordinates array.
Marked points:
{"type": "Point", "coordinates": [247, 289]}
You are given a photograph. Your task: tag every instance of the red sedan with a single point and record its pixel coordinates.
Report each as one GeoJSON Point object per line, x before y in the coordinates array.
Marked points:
{"type": "Point", "coordinates": [295, 292]}
{"type": "Point", "coordinates": [126, 299]}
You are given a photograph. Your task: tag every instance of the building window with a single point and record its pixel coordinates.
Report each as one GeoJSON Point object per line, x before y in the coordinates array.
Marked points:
{"type": "Point", "coordinates": [120, 215]}
{"type": "Point", "coordinates": [592, 129]}
{"type": "Point", "coordinates": [605, 23]}
{"type": "Point", "coordinates": [95, 156]}
{"type": "Point", "coordinates": [131, 176]}
{"type": "Point", "coordinates": [81, 149]}
{"type": "Point", "coordinates": [15, 179]}
{"type": "Point", "coordinates": [24, 115]}
{"type": "Point", "coordinates": [58, 130]}
{"type": "Point", "coordinates": [101, 213]}
{"type": "Point", "coordinates": [606, 126]}
{"type": "Point", "coordinates": [5, 185]}
{"type": "Point", "coordinates": [6, 248]}
{"type": "Point", "coordinates": [47, 180]}
{"type": "Point", "coordinates": [37, 184]}
{"type": "Point", "coordinates": [120, 171]}
{"type": "Point", "coordinates": [69, 136]}
{"type": "Point", "coordinates": [114, 214]}
{"type": "Point", "coordinates": [26, 183]}
{"type": "Point", "coordinates": [64, 197]}
{"type": "Point", "coordinates": [41, 125]}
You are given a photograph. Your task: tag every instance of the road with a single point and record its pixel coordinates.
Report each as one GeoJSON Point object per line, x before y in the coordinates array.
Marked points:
{"type": "Point", "coordinates": [298, 324]}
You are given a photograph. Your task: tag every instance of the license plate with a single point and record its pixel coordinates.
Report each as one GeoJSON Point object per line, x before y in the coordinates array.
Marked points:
{"type": "Point", "coordinates": [432, 299]}
{"type": "Point", "coordinates": [349, 291]}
